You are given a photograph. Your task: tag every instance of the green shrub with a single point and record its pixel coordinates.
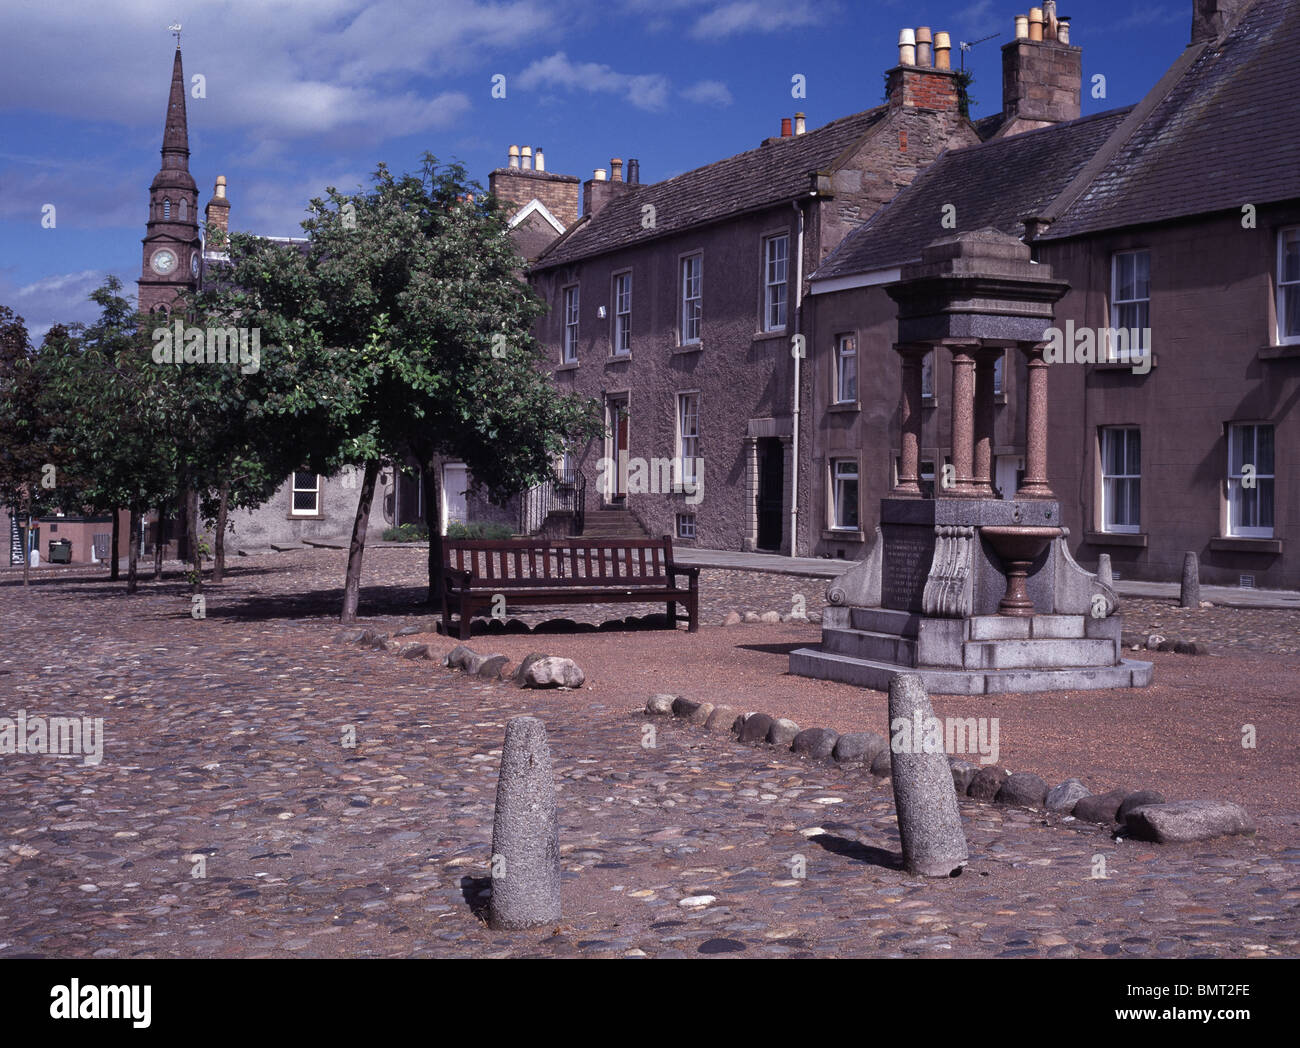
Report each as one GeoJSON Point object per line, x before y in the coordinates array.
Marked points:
{"type": "Point", "coordinates": [478, 530]}
{"type": "Point", "coordinates": [407, 533]}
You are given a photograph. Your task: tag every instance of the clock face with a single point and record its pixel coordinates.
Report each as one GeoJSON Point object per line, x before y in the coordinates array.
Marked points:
{"type": "Point", "coordinates": [163, 261]}
{"type": "Point", "coordinates": [194, 263]}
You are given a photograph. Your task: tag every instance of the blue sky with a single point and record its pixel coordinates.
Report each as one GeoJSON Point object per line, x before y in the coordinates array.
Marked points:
{"type": "Point", "coordinates": [301, 94]}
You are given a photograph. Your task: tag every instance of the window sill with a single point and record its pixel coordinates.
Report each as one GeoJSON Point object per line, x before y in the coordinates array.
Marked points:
{"type": "Point", "coordinates": [618, 358]}
{"type": "Point", "coordinates": [843, 536]}
{"type": "Point", "coordinates": [847, 406]}
{"type": "Point", "coordinates": [768, 336]}
{"type": "Point", "coordinates": [1137, 540]}
{"type": "Point", "coordinates": [1286, 351]}
{"type": "Point", "coordinates": [305, 516]}
{"type": "Point", "coordinates": [567, 367]}
{"type": "Point", "coordinates": [679, 351]}
{"type": "Point", "coordinates": [1234, 544]}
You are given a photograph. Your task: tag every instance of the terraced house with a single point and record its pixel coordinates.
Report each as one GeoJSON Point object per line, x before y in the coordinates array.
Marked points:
{"type": "Point", "coordinates": [677, 303]}
{"type": "Point", "coordinates": [1176, 224]}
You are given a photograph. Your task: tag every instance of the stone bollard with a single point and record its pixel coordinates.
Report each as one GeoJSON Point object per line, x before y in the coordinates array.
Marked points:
{"type": "Point", "coordinates": [1189, 595]}
{"type": "Point", "coordinates": [929, 823]}
{"type": "Point", "coordinates": [525, 833]}
{"type": "Point", "coordinates": [1104, 575]}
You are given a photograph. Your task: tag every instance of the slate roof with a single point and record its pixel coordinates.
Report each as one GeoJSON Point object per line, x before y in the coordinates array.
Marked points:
{"type": "Point", "coordinates": [994, 184]}
{"type": "Point", "coordinates": [776, 171]}
{"type": "Point", "coordinates": [1227, 134]}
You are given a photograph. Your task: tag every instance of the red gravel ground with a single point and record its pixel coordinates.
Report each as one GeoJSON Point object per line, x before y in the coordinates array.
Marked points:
{"type": "Point", "coordinates": [1181, 736]}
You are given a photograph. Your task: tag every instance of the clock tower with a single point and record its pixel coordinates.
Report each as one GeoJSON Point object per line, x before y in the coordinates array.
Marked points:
{"type": "Point", "coordinates": [172, 249]}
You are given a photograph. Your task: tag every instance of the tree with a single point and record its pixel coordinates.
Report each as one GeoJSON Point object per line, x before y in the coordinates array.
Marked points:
{"type": "Point", "coordinates": [409, 296]}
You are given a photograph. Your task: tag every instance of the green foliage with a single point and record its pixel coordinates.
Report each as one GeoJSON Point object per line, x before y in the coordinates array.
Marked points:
{"type": "Point", "coordinates": [407, 533]}
{"type": "Point", "coordinates": [478, 530]}
{"type": "Point", "coordinates": [963, 79]}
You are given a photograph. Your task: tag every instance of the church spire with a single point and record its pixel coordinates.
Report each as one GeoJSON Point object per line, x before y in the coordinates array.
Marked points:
{"type": "Point", "coordinates": [176, 135]}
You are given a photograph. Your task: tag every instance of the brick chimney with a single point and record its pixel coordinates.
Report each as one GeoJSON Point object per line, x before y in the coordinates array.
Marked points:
{"type": "Point", "coordinates": [1042, 73]}
{"type": "Point", "coordinates": [519, 183]}
{"type": "Point", "coordinates": [217, 216]}
{"type": "Point", "coordinates": [1212, 18]}
{"type": "Point", "coordinates": [916, 82]}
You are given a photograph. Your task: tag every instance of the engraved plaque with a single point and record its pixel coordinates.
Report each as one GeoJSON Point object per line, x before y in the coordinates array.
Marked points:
{"type": "Point", "coordinates": [909, 549]}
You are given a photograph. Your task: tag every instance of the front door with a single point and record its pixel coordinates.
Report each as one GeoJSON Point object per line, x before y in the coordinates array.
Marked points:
{"type": "Point", "coordinates": [618, 446]}
{"type": "Point", "coordinates": [771, 490]}
{"type": "Point", "coordinates": [455, 507]}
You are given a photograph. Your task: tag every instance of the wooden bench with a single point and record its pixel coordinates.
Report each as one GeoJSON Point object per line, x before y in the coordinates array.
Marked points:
{"type": "Point", "coordinates": [563, 571]}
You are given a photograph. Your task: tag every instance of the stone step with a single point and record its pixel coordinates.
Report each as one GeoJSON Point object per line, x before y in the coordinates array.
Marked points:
{"type": "Point", "coordinates": [1028, 654]}
{"type": "Point", "coordinates": [883, 620]}
{"type": "Point", "coordinates": [1035, 627]}
{"type": "Point", "coordinates": [865, 644]}
{"type": "Point", "coordinates": [865, 673]}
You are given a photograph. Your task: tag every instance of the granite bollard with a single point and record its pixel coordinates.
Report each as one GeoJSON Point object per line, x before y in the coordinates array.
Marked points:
{"type": "Point", "coordinates": [1189, 593]}
{"type": "Point", "coordinates": [929, 822]}
{"type": "Point", "coordinates": [525, 833]}
{"type": "Point", "coordinates": [1105, 574]}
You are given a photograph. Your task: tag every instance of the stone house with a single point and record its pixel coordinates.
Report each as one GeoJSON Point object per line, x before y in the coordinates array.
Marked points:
{"type": "Point", "coordinates": [1177, 219]}
{"type": "Point", "coordinates": [678, 304]}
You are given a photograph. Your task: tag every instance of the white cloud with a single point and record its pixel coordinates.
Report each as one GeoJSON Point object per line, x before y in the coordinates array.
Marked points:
{"type": "Point", "coordinates": [708, 93]}
{"type": "Point", "coordinates": [759, 16]}
{"type": "Point", "coordinates": [59, 299]}
{"type": "Point", "coordinates": [645, 90]}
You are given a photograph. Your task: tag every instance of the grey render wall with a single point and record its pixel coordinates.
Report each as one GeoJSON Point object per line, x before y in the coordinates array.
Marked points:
{"type": "Point", "coordinates": [272, 524]}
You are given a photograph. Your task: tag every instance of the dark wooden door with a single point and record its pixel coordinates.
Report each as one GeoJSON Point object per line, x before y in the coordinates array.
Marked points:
{"type": "Point", "coordinates": [771, 489]}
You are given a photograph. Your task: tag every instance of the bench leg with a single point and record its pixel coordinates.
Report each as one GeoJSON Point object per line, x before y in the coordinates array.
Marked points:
{"type": "Point", "coordinates": [693, 607]}
{"type": "Point", "coordinates": [672, 614]}
{"type": "Point", "coordinates": [466, 617]}
{"type": "Point", "coordinates": [446, 615]}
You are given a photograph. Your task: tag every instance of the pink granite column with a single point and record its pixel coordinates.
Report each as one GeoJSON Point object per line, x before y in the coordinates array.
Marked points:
{"type": "Point", "coordinates": [908, 486]}
{"type": "Point", "coordinates": [1035, 485]}
{"type": "Point", "coordinates": [985, 362]}
{"type": "Point", "coordinates": [963, 423]}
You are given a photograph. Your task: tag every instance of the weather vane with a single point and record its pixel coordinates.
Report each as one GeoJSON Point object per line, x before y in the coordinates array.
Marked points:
{"type": "Point", "coordinates": [175, 30]}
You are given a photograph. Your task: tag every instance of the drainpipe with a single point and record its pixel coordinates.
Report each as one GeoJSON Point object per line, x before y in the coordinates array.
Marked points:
{"type": "Point", "coordinates": [794, 440]}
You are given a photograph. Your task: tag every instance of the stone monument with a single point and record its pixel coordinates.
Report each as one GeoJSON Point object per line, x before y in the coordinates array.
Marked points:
{"type": "Point", "coordinates": [974, 593]}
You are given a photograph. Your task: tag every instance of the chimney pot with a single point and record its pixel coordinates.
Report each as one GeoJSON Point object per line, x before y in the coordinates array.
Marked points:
{"type": "Point", "coordinates": [1049, 19]}
{"type": "Point", "coordinates": [1035, 23]}
{"type": "Point", "coordinates": [924, 47]}
{"type": "Point", "coordinates": [907, 47]}
{"type": "Point", "coordinates": [526, 158]}
{"type": "Point", "coordinates": [942, 51]}
{"type": "Point", "coordinates": [786, 130]}
{"type": "Point", "coordinates": [220, 190]}
{"type": "Point", "coordinates": [616, 169]}
{"type": "Point", "coordinates": [634, 171]}
{"type": "Point", "coordinates": [514, 156]}
{"type": "Point", "coordinates": [800, 124]}
{"type": "Point", "coordinates": [1063, 31]}
{"type": "Point", "coordinates": [598, 174]}
{"type": "Point", "coordinates": [1022, 27]}
{"type": "Point", "coordinates": [539, 160]}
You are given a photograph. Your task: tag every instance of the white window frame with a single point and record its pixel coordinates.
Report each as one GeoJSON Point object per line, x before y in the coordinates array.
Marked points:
{"type": "Point", "coordinates": [846, 350]}
{"type": "Point", "coordinates": [1238, 495]}
{"type": "Point", "coordinates": [837, 500]}
{"type": "Point", "coordinates": [692, 299]}
{"type": "Point", "coordinates": [1286, 288]}
{"type": "Point", "coordinates": [1108, 480]}
{"type": "Point", "coordinates": [776, 281]}
{"type": "Point", "coordinates": [1142, 305]}
{"type": "Point", "coordinates": [688, 436]}
{"type": "Point", "coordinates": [294, 511]}
{"type": "Point", "coordinates": [622, 340]}
{"type": "Point", "coordinates": [572, 311]}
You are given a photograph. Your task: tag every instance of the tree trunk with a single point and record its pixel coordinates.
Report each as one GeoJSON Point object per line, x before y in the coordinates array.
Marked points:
{"type": "Point", "coordinates": [433, 520]}
{"type": "Point", "coordinates": [133, 551]}
{"type": "Point", "coordinates": [219, 543]}
{"type": "Point", "coordinates": [114, 572]}
{"type": "Point", "coordinates": [357, 548]}
{"type": "Point", "coordinates": [27, 543]}
{"type": "Point", "coordinates": [158, 546]}
{"type": "Point", "coordinates": [192, 539]}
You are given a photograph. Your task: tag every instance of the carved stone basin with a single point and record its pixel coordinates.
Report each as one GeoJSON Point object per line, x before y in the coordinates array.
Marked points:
{"type": "Point", "coordinates": [1018, 548]}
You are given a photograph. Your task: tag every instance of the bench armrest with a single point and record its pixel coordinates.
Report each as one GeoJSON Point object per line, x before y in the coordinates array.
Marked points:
{"type": "Point", "coordinates": [456, 578]}
{"type": "Point", "coordinates": [689, 570]}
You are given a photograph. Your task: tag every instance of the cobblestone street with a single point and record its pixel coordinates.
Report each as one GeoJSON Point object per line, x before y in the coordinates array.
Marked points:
{"type": "Point", "coordinates": [224, 749]}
